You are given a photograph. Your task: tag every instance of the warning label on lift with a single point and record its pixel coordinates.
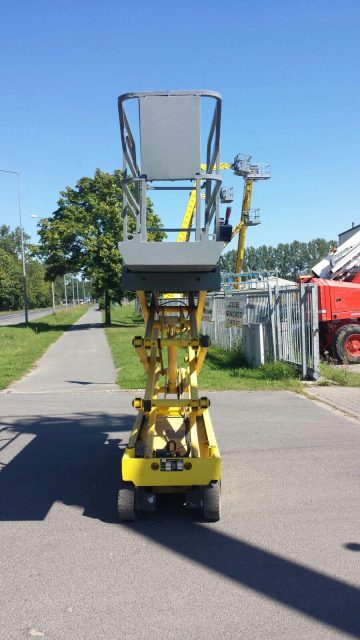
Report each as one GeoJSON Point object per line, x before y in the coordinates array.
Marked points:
{"type": "Point", "coordinates": [171, 464]}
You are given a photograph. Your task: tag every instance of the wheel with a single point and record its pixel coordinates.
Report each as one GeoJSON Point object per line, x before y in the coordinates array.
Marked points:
{"type": "Point", "coordinates": [347, 344]}
{"type": "Point", "coordinates": [211, 502]}
{"type": "Point", "coordinates": [126, 503]}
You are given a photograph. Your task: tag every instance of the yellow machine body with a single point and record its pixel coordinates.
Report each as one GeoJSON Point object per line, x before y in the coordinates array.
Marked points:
{"type": "Point", "coordinates": [172, 443]}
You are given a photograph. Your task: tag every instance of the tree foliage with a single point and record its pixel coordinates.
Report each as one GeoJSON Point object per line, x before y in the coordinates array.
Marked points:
{"type": "Point", "coordinates": [83, 233]}
{"type": "Point", "coordinates": [11, 273]}
{"type": "Point", "coordinates": [10, 281]}
{"type": "Point", "coordinates": [289, 259]}
{"type": "Point", "coordinates": [10, 241]}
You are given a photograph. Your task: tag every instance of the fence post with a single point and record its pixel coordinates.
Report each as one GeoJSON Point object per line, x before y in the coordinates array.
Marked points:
{"type": "Point", "coordinates": [272, 319]}
{"type": "Point", "coordinates": [315, 331]}
{"type": "Point", "coordinates": [278, 323]}
{"type": "Point", "coordinates": [302, 302]}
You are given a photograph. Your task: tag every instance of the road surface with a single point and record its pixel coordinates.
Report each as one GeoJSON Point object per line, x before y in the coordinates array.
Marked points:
{"type": "Point", "coordinates": [17, 317]}
{"type": "Point", "coordinates": [283, 562]}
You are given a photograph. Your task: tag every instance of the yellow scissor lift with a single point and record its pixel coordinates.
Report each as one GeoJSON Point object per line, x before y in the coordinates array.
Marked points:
{"type": "Point", "coordinates": [172, 443]}
{"type": "Point", "coordinates": [172, 446]}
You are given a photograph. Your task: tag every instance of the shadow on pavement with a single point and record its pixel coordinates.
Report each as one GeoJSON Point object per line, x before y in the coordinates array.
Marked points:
{"type": "Point", "coordinates": [64, 462]}
{"type": "Point", "coordinates": [39, 327]}
{"type": "Point", "coordinates": [352, 546]}
{"type": "Point", "coordinates": [74, 461]}
{"type": "Point", "coordinates": [307, 591]}
{"type": "Point", "coordinates": [86, 382]}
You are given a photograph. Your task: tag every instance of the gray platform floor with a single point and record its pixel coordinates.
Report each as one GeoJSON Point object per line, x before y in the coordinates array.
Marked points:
{"type": "Point", "coordinates": [282, 563]}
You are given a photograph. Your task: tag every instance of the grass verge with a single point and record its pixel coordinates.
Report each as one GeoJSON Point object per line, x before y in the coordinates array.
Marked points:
{"type": "Point", "coordinates": [21, 347]}
{"type": "Point", "coordinates": [223, 370]}
{"type": "Point", "coordinates": [340, 375]}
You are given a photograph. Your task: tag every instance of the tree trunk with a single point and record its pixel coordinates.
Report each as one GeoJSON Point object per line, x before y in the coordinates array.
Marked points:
{"type": "Point", "coordinates": [107, 308]}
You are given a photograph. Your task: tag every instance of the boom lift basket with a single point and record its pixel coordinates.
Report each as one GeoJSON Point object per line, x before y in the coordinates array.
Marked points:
{"type": "Point", "coordinates": [169, 134]}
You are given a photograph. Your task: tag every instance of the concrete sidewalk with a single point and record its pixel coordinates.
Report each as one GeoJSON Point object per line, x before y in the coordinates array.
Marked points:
{"type": "Point", "coordinates": [79, 360]}
{"type": "Point", "coordinates": [344, 399]}
{"type": "Point", "coordinates": [281, 563]}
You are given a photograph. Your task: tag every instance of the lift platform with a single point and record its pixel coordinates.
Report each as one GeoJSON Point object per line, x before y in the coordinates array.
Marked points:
{"type": "Point", "coordinates": [172, 447]}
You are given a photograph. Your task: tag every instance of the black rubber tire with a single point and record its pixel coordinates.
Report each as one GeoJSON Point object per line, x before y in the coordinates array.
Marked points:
{"type": "Point", "coordinates": [339, 344]}
{"type": "Point", "coordinates": [211, 502]}
{"type": "Point", "coordinates": [126, 503]}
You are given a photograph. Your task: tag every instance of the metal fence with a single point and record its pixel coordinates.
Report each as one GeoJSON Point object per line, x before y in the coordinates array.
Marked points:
{"type": "Point", "coordinates": [287, 317]}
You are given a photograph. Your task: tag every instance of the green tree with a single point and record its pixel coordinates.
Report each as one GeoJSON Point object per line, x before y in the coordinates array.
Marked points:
{"type": "Point", "coordinates": [227, 261]}
{"type": "Point", "coordinates": [10, 281]}
{"type": "Point", "coordinates": [10, 241]}
{"type": "Point", "coordinates": [83, 233]}
{"type": "Point", "coordinates": [290, 260]}
{"type": "Point", "coordinates": [38, 289]}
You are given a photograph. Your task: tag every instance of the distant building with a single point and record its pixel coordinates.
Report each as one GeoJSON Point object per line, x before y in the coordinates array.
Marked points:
{"type": "Point", "coordinates": [345, 235]}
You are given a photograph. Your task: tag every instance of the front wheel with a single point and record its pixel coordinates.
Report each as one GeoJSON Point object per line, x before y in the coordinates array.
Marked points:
{"type": "Point", "coordinates": [211, 502]}
{"type": "Point", "coordinates": [347, 344]}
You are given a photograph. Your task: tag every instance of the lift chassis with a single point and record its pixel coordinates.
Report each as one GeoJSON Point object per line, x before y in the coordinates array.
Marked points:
{"type": "Point", "coordinates": [172, 446]}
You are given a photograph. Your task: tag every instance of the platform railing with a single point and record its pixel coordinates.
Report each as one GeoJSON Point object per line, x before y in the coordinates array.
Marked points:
{"type": "Point", "coordinates": [136, 184]}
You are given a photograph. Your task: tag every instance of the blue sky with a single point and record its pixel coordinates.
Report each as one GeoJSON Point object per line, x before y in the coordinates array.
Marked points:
{"type": "Point", "coordinates": [288, 73]}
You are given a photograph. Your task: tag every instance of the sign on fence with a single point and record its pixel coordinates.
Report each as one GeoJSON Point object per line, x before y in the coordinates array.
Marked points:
{"type": "Point", "coordinates": [234, 311]}
{"type": "Point", "coordinates": [208, 309]}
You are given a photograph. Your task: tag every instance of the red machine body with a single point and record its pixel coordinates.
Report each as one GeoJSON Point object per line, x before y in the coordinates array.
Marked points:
{"type": "Point", "coordinates": [339, 317]}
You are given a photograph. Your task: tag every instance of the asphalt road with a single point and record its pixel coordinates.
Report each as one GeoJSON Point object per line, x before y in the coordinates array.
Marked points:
{"type": "Point", "coordinates": [282, 563]}
{"type": "Point", "coordinates": [17, 317]}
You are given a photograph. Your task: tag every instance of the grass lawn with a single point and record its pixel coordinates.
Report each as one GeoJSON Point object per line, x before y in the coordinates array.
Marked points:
{"type": "Point", "coordinates": [222, 369]}
{"type": "Point", "coordinates": [21, 347]}
{"type": "Point", "coordinates": [340, 375]}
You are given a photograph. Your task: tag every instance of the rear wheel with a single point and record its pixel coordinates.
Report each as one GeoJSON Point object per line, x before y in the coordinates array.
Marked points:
{"type": "Point", "coordinates": [126, 503]}
{"type": "Point", "coordinates": [347, 344]}
{"type": "Point", "coordinates": [211, 502]}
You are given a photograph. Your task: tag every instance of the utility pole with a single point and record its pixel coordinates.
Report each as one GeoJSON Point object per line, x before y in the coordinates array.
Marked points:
{"type": "Point", "coordinates": [66, 302]}
{"type": "Point", "coordinates": [73, 288]}
{"type": "Point", "coordinates": [77, 290]}
{"type": "Point", "coordinates": [53, 295]}
{"type": "Point", "coordinates": [26, 314]}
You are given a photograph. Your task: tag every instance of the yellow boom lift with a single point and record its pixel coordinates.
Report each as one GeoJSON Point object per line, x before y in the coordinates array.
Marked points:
{"type": "Point", "coordinates": [244, 167]}
{"type": "Point", "coordinates": [172, 445]}
{"type": "Point", "coordinates": [251, 172]}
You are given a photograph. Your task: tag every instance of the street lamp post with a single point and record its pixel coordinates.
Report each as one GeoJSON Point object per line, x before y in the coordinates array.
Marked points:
{"type": "Point", "coordinates": [66, 304]}
{"type": "Point", "coordinates": [53, 295]}
{"type": "Point", "coordinates": [26, 314]}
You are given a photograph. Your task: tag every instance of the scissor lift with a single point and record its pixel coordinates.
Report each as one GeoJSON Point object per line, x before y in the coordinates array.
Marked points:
{"type": "Point", "coordinates": [172, 446]}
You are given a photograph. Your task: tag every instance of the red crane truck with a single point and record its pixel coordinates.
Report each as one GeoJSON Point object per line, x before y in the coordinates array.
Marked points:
{"type": "Point", "coordinates": [338, 282]}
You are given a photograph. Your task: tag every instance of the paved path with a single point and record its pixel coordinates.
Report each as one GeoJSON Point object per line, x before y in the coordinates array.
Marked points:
{"type": "Point", "coordinates": [282, 563]}
{"type": "Point", "coordinates": [79, 361]}
{"type": "Point", "coordinates": [345, 399]}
